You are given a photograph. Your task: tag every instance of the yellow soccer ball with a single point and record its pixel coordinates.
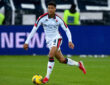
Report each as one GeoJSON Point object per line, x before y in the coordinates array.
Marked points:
{"type": "Point", "coordinates": [37, 79]}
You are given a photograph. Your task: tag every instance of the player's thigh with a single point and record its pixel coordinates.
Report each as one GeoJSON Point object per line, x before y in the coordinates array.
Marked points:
{"type": "Point", "coordinates": [54, 46]}
{"type": "Point", "coordinates": [59, 56]}
{"type": "Point", "coordinates": [53, 51]}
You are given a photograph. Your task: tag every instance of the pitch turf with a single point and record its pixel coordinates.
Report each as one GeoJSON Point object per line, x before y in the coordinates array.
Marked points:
{"type": "Point", "coordinates": [18, 70]}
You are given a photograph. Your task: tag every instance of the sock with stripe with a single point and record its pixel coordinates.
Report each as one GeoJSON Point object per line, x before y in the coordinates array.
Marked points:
{"type": "Point", "coordinates": [50, 67]}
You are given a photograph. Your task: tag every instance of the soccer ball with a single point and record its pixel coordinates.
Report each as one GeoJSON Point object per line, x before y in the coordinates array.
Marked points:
{"type": "Point", "coordinates": [37, 79]}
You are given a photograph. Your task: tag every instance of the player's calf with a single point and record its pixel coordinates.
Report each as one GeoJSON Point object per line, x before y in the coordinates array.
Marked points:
{"type": "Point", "coordinates": [63, 60]}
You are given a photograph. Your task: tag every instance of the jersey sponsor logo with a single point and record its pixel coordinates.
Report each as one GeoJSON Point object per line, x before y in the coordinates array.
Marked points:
{"type": "Point", "coordinates": [51, 26]}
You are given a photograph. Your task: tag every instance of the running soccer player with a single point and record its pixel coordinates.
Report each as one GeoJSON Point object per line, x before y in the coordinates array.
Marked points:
{"type": "Point", "coordinates": [50, 22]}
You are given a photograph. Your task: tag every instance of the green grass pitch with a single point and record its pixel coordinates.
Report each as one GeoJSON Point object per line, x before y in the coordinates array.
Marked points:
{"type": "Point", "coordinates": [18, 70]}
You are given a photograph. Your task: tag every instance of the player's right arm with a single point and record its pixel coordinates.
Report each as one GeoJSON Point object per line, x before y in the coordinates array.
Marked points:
{"type": "Point", "coordinates": [68, 33]}
{"type": "Point", "coordinates": [35, 27]}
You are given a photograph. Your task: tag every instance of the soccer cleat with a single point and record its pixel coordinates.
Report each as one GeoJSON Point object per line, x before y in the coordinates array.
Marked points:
{"type": "Point", "coordinates": [81, 66]}
{"type": "Point", "coordinates": [45, 80]}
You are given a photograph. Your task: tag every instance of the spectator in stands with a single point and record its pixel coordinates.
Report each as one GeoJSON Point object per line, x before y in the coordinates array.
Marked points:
{"type": "Point", "coordinates": [71, 16]}
{"type": "Point", "coordinates": [2, 17]}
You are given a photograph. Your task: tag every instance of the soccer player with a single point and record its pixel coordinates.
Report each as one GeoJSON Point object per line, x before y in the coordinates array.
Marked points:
{"type": "Point", "coordinates": [51, 22]}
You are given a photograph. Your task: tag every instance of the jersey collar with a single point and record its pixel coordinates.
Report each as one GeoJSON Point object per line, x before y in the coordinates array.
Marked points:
{"type": "Point", "coordinates": [53, 17]}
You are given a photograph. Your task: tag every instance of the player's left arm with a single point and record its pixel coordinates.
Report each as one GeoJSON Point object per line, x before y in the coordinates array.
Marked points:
{"type": "Point", "coordinates": [68, 33]}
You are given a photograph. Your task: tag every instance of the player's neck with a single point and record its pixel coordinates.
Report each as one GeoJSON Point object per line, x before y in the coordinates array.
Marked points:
{"type": "Point", "coordinates": [52, 15]}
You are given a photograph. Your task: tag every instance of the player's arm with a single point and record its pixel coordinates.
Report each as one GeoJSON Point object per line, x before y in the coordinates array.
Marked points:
{"type": "Point", "coordinates": [68, 33]}
{"type": "Point", "coordinates": [35, 27]}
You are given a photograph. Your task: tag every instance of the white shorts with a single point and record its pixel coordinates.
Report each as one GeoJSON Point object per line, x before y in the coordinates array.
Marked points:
{"type": "Point", "coordinates": [54, 42]}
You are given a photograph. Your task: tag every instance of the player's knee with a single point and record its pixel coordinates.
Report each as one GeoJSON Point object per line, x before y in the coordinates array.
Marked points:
{"type": "Point", "coordinates": [52, 52]}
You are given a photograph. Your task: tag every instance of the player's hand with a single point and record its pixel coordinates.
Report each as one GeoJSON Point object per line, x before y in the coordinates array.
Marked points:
{"type": "Point", "coordinates": [71, 45]}
{"type": "Point", "coordinates": [25, 46]}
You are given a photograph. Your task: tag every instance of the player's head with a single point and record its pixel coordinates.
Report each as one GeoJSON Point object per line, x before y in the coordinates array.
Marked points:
{"type": "Point", "coordinates": [51, 7]}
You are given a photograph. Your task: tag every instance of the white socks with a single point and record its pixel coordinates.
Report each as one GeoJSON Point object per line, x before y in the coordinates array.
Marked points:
{"type": "Point", "coordinates": [72, 62]}
{"type": "Point", "coordinates": [51, 65]}
{"type": "Point", "coordinates": [49, 68]}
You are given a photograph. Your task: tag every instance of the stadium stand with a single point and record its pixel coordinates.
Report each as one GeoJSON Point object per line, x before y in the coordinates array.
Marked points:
{"type": "Point", "coordinates": [25, 12]}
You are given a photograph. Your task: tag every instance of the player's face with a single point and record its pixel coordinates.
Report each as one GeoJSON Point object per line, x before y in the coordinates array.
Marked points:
{"type": "Point", "coordinates": [51, 9]}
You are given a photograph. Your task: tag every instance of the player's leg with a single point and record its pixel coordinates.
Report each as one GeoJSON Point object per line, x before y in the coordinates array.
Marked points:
{"type": "Point", "coordinates": [50, 63]}
{"type": "Point", "coordinates": [69, 61]}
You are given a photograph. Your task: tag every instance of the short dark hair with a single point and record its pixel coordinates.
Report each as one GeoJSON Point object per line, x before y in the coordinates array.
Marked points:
{"type": "Point", "coordinates": [52, 3]}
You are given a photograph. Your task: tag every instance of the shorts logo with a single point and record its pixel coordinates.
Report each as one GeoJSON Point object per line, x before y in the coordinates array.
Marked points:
{"type": "Point", "coordinates": [54, 42]}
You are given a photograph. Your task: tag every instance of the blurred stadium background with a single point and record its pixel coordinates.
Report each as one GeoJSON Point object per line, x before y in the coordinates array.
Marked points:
{"type": "Point", "coordinates": [91, 39]}
{"type": "Point", "coordinates": [93, 12]}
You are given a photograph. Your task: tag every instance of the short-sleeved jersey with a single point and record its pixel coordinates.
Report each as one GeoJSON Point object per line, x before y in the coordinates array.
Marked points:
{"type": "Point", "coordinates": [51, 26]}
